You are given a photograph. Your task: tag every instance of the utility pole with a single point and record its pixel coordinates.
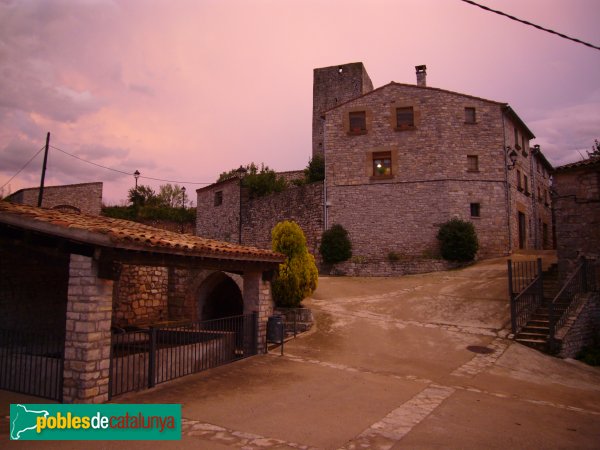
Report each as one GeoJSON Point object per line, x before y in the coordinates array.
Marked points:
{"type": "Point", "coordinates": [41, 193]}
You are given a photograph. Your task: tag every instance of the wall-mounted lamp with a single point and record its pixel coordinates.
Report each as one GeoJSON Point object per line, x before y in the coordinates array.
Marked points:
{"type": "Point", "coordinates": [512, 156]}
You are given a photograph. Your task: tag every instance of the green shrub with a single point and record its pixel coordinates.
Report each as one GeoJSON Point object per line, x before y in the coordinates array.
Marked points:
{"type": "Point", "coordinates": [259, 182]}
{"type": "Point", "coordinates": [590, 355]}
{"type": "Point", "coordinates": [297, 277]}
{"type": "Point", "coordinates": [335, 245]}
{"type": "Point", "coordinates": [458, 240]}
{"type": "Point", "coordinates": [393, 256]}
{"type": "Point", "coordinates": [315, 171]}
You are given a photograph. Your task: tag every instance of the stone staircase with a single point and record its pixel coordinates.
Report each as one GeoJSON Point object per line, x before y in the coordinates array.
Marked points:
{"type": "Point", "coordinates": [536, 333]}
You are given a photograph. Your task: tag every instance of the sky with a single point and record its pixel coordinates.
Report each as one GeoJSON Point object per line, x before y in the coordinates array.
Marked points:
{"type": "Point", "coordinates": [183, 90]}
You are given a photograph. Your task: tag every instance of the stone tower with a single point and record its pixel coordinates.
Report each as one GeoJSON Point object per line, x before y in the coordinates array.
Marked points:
{"type": "Point", "coordinates": [332, 86]}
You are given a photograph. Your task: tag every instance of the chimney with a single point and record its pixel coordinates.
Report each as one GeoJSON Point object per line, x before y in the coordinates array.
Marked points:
{"type": "Point", "coordinates": [421, 75]}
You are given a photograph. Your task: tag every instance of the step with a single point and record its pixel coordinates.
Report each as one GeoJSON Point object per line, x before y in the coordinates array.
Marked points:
{"type": "Point", "coordinates": [535, 329]}
{"type": "Point", "coordinates": [535, 336]}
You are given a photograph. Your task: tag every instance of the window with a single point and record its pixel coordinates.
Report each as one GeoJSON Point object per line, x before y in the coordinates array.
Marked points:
{"type": "Point", "coordinates": [519, 181]}
{"type": "Point", "coordinates": [523, 145]}
{"type": "Point", "coordinates": [358, 122]}
{"type": "Point", "coordinates": [526, 182]}
{"type": "Point", "coordinates": [382, 164]}
{"type": "Point", "coordinates": [546, 202]}
{"type": "Point", "coordinates": [539, 195]}
{"type": "Point", "coordinates": [517, 146]}
{"type": "Point", "coordinates": [405, 118]}
{"type": "Point", "coordinates": [472, 163]}
{"type": "Point", "coordinates": [218, 198]}
{"type": "Point", "coordinates": [470, 115]}
{"type": "Point", "coordinates": [475, 210]}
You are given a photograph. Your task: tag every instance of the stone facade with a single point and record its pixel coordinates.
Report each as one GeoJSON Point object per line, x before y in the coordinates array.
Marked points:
{"type": "Point", "coordinates": [88, 333]}
{"type": "Point", "coordinates": [141, 295]}
{"type": "Point", "coordinates": [221, 220]}
{"type": "Point", "coordinates": [577, 209]}
{"type": "Point", "coordinates": [85, 197]}
{"type": "Point", "coordinates": [452, 159]}
{"type": "Point", "coordinates": [582, 327]}
{"type": "Point", "coordinates": [333, 86]}
{"type": "Point", "coordinates": [442, 166]}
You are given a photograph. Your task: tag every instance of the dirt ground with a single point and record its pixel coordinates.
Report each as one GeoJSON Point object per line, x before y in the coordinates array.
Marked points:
{"type": "Point", "coordinates": [389, 364]}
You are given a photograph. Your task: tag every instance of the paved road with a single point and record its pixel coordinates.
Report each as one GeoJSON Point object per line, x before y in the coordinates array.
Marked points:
{"type": "Point", "coordinates": [388, 366]}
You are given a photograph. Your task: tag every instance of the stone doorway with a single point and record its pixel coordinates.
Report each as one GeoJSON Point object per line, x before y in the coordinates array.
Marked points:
{"type": "Point", "coordinates": [218, 297]}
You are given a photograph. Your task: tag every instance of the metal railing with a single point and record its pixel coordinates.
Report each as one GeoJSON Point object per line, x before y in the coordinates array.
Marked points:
{"type": "Point", "coordinates": [526, 290]}
{"type": "Point", "coordinates": [32, 363]}
{"type": "Point", "coordinates": [141, 359]}
{"type": "Point", "coordinates": [293, 318]}
{"type": "Point", "coordinates": [568, 299]}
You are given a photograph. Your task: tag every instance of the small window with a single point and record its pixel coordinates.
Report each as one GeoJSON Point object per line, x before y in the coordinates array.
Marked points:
{"type": "Point", "coordinates": [517, 146]}
{"type": "Point", "coordinates": [539, 195]}
{"type": "Point", "coordinates": [382, 164]}
{"type": "Point", "coordinates": [405, 118]}
{"type": "Point", "coordinates": [218, 198]}
{"type": "Point", "coordinates": [358, 122]}
{"type": "Point", "coordinates": [470, 115]}
{"type": "Point", "coordinates": [472, 163]}
{"type": "Point", "coordinates": [475, 210]}
{"type": "Point", "coordinates": [526, 182]}
{"type": "Point", "coordinates": [519, 181]}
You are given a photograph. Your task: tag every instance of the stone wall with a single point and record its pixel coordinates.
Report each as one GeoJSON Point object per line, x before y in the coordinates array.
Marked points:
{"type": "Point", "coordinates": [33, 289]}
{"type": "Point", "coordinates": [302, 204]}
{"type": "Point", "coordinates": [431, 180]}
{"type": "Point", "coordinates": [333, 86]}
{"type": "Point", "coordinates": [218, 211]}
{"type": "Point", "coordinates": [85, 197]}
{"type": "Point", "coordinates": [582, 328]}
{"type": "Point", "coordinates": [379, 267]}
{"type": "Point", "coordinates": [577, 209]}
{"type": "Point", "coordinates": [140, 296]}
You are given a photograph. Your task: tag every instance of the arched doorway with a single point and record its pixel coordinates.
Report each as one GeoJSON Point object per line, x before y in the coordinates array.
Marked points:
{"type": "Point", "coordinates": [219, 297]}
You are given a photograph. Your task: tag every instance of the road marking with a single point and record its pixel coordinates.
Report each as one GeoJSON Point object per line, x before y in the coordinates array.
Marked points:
{"type": "Point", "coordinates": [234, 439]}
{"type": "Point", "coordinates": [398, 423]}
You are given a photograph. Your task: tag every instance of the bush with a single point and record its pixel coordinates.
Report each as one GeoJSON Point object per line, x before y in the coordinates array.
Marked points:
{"type": "Point", "coordinates": [315, 171]}
{"type": "Point", "coordinates": [335, 245]}
{"type": "Point", "coordinates": [297, 277]}
{"type": "Point", "coordinates": [258, 182]}
{"type": "Point", "coordinates": [458, 240]}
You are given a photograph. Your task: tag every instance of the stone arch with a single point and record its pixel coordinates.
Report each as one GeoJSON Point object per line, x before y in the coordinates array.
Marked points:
{"type": "Point", "coordinates": [220, 295]}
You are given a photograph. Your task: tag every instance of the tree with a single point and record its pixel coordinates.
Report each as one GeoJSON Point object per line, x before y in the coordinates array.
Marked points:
{"type": "Point", "coordinates": [335, 245]}
{"type": "Point", "coordinates": [297, 277]}
{"type": "Point", "coordinates": [170, 196]}
{"type": "Point", "coordinates": [142, 196]}
{"type": "Point", "coordinates": [595, 153]}
{"type": "Point", "coordinates": [259, 182]}
{"type": "Point", "coordinates": [315, 171]}
{"type": "Point", "coordinates": [458, 240]}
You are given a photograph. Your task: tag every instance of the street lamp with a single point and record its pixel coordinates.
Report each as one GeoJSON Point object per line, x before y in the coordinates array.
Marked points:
{"type": "Point", "coordinates": [183, 196]}
{"type": "Point", "coordinates": [512, 156]}
{"type": "Point", "coordinates": [136, 175]}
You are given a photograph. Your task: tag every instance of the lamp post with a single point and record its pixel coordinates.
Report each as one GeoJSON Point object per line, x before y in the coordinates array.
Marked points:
{"type": "Point", "coordinates": [241, 173]}
{"type": "Point", "coordinates": [183, 197]}
{"type": "Point", "coordinates": [136, 175]}
{"type": "Point", "coordinates": [512, 156]}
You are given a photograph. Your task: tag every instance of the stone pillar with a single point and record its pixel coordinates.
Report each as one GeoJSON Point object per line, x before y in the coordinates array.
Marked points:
{"type": "Point", "coordinates": [258, 298]}
{"type": "Point", "coordinates": [88, 336]}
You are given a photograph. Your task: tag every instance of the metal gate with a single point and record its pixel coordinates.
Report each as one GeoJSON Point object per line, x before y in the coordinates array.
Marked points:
{"type": "Point", "coordinates": [32, 363]}
{"type": "Point", "coordinates": [142, 358]}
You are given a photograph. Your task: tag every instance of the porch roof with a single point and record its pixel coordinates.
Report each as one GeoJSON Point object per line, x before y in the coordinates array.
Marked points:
{"type": "Point", "coordinates": [124, 235]}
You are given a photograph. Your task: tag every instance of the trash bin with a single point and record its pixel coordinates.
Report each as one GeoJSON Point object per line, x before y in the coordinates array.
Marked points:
{"type": "Point", "coordinates": [275, 329]}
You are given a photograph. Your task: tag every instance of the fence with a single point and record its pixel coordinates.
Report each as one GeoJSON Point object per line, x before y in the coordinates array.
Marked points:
{"type": "Point", "coordinates": [525, 286]}
{"type": "Point", "coordinates": [141, 359]}
{"type": "Point", "coordinates": [32, 363]}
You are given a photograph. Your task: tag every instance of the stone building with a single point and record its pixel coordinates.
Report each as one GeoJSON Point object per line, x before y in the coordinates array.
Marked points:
{"type": "Point", "coordinates": [84, 197]}
{"type": "Point", "coordinates": [577, 207]}
{"type": "Point", "coordinates": [62, 282]}
{"type": "Point", "coordinates": [399, 161]}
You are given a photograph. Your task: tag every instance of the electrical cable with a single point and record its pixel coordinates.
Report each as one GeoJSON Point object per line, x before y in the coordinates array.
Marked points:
{"type": "Point", "coordinates": [21, 169]}
{"type": "Point", "coordinates": [122, 171]}
{"type": "Point", "coordinates": [539, 27]}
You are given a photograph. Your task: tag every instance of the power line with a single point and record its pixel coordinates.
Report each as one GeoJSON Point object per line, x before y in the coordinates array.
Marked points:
{"type": "Point", "coordinates": [539, 27]}
{"type": "Point", "coordinates": [21, 169]}
{"type": "Point", "coordinates": [122, 171]}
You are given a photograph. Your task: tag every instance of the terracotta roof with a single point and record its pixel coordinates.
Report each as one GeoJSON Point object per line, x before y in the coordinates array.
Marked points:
{"type": "Point", "coordinates": [575, 165]}
{"type": "Point", "coordinates": [124, 234]}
